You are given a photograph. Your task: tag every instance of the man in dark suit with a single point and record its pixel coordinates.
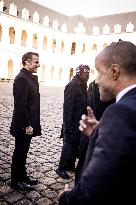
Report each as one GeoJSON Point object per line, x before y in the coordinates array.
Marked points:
{"type": "Point", "coordinates": [75, 103]}
{"type": "Point", "coordinates": [109, 172]}
{"type": "Point", "coordinates": [25, 120]}
{"type": "Point", "coordinates": [98, 108]}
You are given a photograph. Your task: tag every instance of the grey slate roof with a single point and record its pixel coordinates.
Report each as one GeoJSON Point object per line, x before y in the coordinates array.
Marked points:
{"type": "Point", "coordinates": [72, 21]}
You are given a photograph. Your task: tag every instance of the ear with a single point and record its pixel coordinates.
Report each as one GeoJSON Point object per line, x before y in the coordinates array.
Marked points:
{"type": "Point", "coordinates": [115, 71]}
{"type": "Point", "coordinates": [27, 62]}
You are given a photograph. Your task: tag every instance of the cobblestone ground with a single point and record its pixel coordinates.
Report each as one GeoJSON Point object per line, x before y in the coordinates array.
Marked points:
{"type": "Point", "coordinates": [44, 153]}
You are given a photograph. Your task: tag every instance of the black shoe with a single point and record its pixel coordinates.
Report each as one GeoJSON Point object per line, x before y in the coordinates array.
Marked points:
{"type": "Point", "coordinates": [31, 181]}
{"type": "Point", "coordinates": [62, 174]}
{"type": "Point", "coordinates": [22, 186]}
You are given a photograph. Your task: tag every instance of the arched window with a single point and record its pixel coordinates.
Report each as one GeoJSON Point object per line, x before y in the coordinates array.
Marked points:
{"type": "Point", "coordinates": [1, 5]}
{"type": "Point", "coordinates": [96, 30]}
{"type": "Point", "coordinates": [83, 48]}
{"type": "Point", "coordinates": [10, 69]}
{"type": "Point", "coordinates": [129, 27]}
{"type": "Point", "coordinates": [0, 32]}
{"type": "Point", "coordinates": [44, 42]}
{"type": "Point", "coordinates": [94, 47]}
{"type": "Point", "coordinates": [13, 9]}
{"type": "Point", "coordinates": [53, 45]}
{"type": "Point", "coordinates": [106, 29]}
{"type": "Point", "coordinates": [25, 14]}
{"type": "Point", "coordinates": [12, 35]}
{"type": "Point", "coordinates": [55, 25]}
{"type": "Point", "coordinates": [73, 48]}
{"type": "Point", "coordinates": [23, 38]}
{"type": "Point", "coordinates": [52, 73]}
{"type": "Point", "coordinates": [46, 21]}
{"type": "Point", "coordinates": [36, 17]}
{"type": "Point", "coordinates": [62, 46]}
{"type": "Point", "coordinates": [71, 73]}
{"type": "Point", "coordinates": [35, 40]}
{"type": "Point", "coordinates": [117, 28]}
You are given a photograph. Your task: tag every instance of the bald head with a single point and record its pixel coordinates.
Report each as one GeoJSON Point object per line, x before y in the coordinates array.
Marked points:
{"type": "Point", "coordinates": [116, 65]}
{"type": "Point", "coordinates": [122, 53]}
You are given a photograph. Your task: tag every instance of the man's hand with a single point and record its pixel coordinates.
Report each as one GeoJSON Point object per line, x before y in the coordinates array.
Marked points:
{"type": "Point", "coordinates": [88, 123]}
{"type": "Point", "coordinates": [29, 130]}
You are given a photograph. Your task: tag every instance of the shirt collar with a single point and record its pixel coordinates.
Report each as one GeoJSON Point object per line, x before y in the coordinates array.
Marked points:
{"type": "Point", "coordinates": [124, 91]}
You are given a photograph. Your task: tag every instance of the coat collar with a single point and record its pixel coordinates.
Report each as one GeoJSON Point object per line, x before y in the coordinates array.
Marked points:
{"type": "Point", "coordinates": [124, 91]}
{"type": "Point", "coordinates": [129, 93]}
{"type": "Point", "coordinates": [79, 81]}
{"type": "Point", "coordinates": [34, 77]}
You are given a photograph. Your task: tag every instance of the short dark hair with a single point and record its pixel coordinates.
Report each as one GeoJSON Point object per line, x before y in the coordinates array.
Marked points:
{"type": "Point", "coordinates": [122, 53]}
{"type": "Point", "coordinates": [28, 56]}
{"type": "Point", "coordinates": [82, 69]}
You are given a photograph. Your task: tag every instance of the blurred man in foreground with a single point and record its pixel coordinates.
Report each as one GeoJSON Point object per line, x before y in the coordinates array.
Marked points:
{"type": "Point", "coordinates": [109, 172]}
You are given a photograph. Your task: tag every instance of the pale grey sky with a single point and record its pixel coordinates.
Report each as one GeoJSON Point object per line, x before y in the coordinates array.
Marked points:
{"type": "Point", "coordinates": [89, 8]}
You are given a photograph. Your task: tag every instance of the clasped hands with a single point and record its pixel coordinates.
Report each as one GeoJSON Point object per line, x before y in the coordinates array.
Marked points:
{"type": "Point", "coordinates": [29, 130]}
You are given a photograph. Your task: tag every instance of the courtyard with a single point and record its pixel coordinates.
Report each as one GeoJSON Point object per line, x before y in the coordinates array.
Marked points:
{"type": "Point", "coordinates": [44, 153]}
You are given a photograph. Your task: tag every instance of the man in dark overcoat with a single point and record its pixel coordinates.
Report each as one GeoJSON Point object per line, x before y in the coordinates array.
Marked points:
{"type": "Point", "coordinates": [109, 172]}
{"type": "Point", "coordinates": [25, 120]}
{"type": "Point", "coordinates": [75, 104]}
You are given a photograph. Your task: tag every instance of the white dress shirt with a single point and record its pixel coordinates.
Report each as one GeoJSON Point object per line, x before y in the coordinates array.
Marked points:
{"type": "Point", "coordinates": [124, 91]}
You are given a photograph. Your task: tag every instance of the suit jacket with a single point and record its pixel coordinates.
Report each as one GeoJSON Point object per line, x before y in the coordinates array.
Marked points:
{"type": "Point", "coordinates": [26, 104]}
{"type": "Point", "coordinates": [109, 173]}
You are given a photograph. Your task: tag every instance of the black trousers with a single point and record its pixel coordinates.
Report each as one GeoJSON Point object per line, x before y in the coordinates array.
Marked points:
{"type": "Point", "coordinates": [84, 141]}
{"type": "Point", "coordinates": [68, 156]}
{"type": "Point", "coordinates": [18, 166]}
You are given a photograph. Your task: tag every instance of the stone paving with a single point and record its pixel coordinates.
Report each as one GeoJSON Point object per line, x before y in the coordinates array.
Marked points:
{"type": "Point", "coordinates": [44, 153]}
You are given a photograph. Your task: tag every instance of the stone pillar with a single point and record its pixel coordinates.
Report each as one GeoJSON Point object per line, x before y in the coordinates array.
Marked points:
{"type": "Point", "coordinates": [18, 33]}
{"type": "Point", "coordinates": [29, 41]}
{"type": "Point", "coordinates": [5, 36]}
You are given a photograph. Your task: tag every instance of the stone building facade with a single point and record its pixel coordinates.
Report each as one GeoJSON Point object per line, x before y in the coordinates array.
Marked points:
{"type": "Point", "coordinates": [63, 42]}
